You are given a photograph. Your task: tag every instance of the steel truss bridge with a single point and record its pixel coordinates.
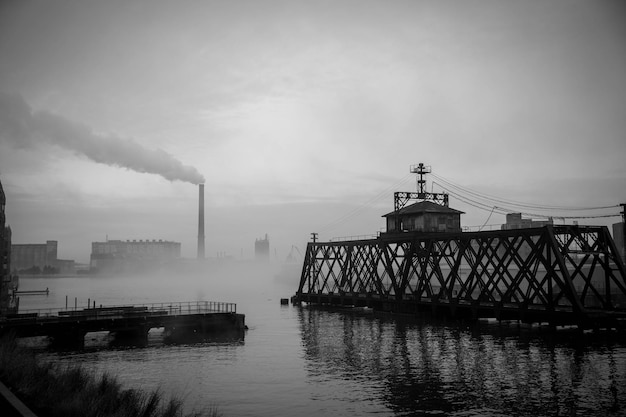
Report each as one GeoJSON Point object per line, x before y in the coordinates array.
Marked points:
{"type": "Point", "coordinates": [561, 275]}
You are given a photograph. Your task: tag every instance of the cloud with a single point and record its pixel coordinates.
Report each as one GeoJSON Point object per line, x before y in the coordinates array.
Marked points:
{"type": "Point", "coordinates": [23, 128]}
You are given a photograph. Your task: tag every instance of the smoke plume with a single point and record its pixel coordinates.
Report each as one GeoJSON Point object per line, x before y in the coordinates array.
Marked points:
{"type": "Point", "coordinates": [24, 128]}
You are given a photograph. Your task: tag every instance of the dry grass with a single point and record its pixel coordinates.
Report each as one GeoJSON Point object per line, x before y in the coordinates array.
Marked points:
{"type": "Point", "coordinates": [74, 392]}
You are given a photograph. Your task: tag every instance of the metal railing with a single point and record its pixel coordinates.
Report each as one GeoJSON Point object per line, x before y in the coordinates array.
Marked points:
{"type": "Point", "coordinates": [171, 308]}
{"type": "Point", "coordinates": [355, 237]}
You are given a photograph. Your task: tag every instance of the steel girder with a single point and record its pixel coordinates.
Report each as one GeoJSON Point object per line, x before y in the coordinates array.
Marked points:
{"type": "Point", "coordinates": [571, 269]}
{"type": "Point", "coordinates": [401, 198]}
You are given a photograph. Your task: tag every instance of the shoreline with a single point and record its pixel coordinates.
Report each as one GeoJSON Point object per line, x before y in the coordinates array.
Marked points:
{"type": "Point", "coordinates": [12, 405]}
{"type": "Point", "coordinates": [33, 388]}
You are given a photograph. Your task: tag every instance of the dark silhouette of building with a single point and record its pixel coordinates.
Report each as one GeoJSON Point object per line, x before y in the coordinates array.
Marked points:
{"type": "Point", "coordinates": [119, 255]}
{"type": "Point", "coordinates": [262, 249]}
{"type": "Point", "coordinates": [8, 282]}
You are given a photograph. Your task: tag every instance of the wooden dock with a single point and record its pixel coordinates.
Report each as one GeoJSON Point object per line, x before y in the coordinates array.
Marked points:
{"type": "Point", "coordinates": [69, 326]}
{"type": "Point", "coordinates": [33, 292]}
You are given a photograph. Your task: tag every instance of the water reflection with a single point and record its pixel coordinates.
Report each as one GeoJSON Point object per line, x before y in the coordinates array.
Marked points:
{"type": "Point", "coordinates": [421, 368]}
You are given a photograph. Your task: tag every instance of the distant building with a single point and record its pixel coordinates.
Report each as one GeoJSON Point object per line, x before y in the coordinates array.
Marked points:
{"type": "Point", "coordinates": [618, 237]}
{"type": "Point", "coordinates": [119, 255]}
{"type": "Point", "coordinates": [5, 239]}
{"type": "Point", "coordinates": [39, 258]}
{"type": "Point", "coordinates": [515, 221]}
{"type": "Point", "coordinates": [424, 216]}
{"type": "Point", "coordinates": [7, 280]}
{"type": "Point", "coordinates": [262, 249]}
{"type": "Point", "coordinates": [65, 266]}
{"type": "Point", "coordinates": [33, 257]}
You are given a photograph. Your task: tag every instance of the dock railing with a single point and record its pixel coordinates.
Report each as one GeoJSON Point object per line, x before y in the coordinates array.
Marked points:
{"type": "Point", "coordinates": [177, 308]}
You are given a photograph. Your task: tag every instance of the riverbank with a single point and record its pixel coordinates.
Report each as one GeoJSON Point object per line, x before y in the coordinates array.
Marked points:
{"type": "Point", "coordinates": [50, 390]}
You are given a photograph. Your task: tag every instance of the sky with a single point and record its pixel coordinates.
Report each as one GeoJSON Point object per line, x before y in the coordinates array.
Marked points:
{"type": "Point", "coordinates": [303, 116]}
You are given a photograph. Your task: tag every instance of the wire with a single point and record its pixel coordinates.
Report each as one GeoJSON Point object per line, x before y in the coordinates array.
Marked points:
{"type": "Point", "coordinates": [352, 213]}
{"type": "Point", "coordinates": [485, 223]}
{"type": "Point", "coordinates": [512, 202]}
{"type": "Point", "coordinates": [471, 202]}
{"type": "Point", "coordinates": [507, 210]}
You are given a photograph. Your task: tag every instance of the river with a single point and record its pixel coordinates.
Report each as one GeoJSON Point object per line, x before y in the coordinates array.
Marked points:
{"type": "Point", "coordinates": [301, 361]}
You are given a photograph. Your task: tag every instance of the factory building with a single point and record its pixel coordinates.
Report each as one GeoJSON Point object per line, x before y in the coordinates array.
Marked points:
{"type": "Point", "coordinates": [38, 258]}
{"type": "Point", "coordinates": [119, 255]}
{"type": "Point", "coordinates": [262, 249]}
{"type": "Point", "coordinates": [32, 257]}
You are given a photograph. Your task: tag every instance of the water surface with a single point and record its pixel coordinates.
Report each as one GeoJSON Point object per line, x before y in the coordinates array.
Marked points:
{"type": "Point", "coordinates": [312, 362]}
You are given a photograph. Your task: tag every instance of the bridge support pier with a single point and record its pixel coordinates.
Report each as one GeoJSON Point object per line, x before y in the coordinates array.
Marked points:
{"type": "Point", "coordinates": [137, 336]}
{"type": "Point", "coordinates": [223, 325]}
{"type": "Point", "coordinates": [68, 340]}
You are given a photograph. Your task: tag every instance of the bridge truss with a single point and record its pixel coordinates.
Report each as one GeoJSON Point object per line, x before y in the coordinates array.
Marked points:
{"type": "Point", "coordinates": [555, 274]}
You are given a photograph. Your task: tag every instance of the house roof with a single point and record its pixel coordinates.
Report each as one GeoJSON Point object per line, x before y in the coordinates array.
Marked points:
{"type": "Point", "coordinates": [422, 207]}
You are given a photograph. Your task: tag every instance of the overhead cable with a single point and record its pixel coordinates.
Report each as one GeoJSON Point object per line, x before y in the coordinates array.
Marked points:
{"type": "Point", "coordinates": [507, 210]}
{"type": "Point", "coordinates": [352, 213]}
{"type": "Point", "coordinates": [515, 203]}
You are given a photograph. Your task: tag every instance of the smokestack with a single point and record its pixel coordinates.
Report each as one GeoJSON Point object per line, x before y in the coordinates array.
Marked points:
{"type": "Point", "coordinates": [201, 222]}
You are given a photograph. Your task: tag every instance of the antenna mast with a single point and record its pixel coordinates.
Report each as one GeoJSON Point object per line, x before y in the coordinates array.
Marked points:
{"type": "Point", "coordinates": [400, 199]}
{"type": "Point", "coordinates": [421, 170]}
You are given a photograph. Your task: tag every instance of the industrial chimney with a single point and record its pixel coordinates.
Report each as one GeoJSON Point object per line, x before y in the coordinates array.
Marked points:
{"type": "Point", "coordinates": [201, 222]}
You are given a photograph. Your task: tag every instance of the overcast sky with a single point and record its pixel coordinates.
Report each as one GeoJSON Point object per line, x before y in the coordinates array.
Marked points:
{"type": "Point", "coordinates": [300, 116]}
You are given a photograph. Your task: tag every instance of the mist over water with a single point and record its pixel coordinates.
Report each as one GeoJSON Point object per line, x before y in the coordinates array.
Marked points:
{"type": "Point", "coordinates": [227, 282]}
{"type": "Point", "coordinates": [310, 361]}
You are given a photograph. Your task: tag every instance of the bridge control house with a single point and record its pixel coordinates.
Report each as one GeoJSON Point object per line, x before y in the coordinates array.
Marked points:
{"type": "Point", "coordinates": [424, 216]}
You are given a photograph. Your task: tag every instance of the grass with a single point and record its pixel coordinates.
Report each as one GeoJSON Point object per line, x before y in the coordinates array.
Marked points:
{"type": "Point", "coordinates": [51, 390]}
